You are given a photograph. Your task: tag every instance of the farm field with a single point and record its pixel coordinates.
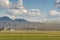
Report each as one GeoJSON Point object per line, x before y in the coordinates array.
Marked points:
{"type": "Point", "coordinates": [29, 35]}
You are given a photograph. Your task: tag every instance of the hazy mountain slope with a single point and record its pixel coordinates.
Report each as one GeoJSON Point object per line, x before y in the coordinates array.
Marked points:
{"type": "Point", "coordinates": [22, 24]}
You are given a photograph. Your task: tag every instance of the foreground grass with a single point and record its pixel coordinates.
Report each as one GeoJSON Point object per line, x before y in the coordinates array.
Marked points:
{"type": "Point", "coordinates": [30, 35]}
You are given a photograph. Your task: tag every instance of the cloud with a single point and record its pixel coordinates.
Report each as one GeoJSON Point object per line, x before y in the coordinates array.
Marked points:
{"type": "Point", "coordinates": [24, 13]}
{"type": "Point", "coordinates": [34, 12]}
{"type": "Point", "coordinates": [5, 14]}
{"type": "Point", "coordinates": [13, 12]}
{"type": "Point", "coordinates": [58, 3]}
{"type": "Point", "coordinates": [4, 4]}
{"type": "Point", "coordinates": [7, 4]}
{"type": "Point", "coordinates": [30, 15]}
{"type": "Point", "coordinates": [54, 12]}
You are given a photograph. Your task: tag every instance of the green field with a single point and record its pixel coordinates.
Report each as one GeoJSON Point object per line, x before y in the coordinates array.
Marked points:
{"type": "Point", "coordinates": [29, 35]}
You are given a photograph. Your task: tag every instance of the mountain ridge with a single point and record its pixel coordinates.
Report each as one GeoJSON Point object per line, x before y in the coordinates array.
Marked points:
{"type": "Point", "coordinates": [22, 24]}
{"type": "Point", "coordinates": [5, 18]}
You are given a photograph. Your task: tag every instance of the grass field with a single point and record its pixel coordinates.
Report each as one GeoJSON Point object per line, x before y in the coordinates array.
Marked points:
{"type": "Point", "coordinates": [29, 35]}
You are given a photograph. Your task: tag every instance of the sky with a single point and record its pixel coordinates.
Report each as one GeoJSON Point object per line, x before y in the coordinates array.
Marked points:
{"type": "Point", "coordinates": [35, 10]}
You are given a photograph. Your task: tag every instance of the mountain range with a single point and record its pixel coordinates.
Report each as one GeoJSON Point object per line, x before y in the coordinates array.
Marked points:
{"type": "Point", "coordinates": [8, 19]}
{"type": "Point", "coordinates": [22, 24]}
